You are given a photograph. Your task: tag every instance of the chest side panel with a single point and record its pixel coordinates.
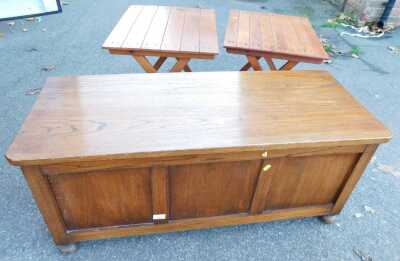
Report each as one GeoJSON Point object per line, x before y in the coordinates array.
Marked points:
{"type": "Point", "coordinates": [213, 189]}
{"type": "Point", "coordinates": [309, 180]}
{"type": "Point", "coordinates": [114, 198]}
{"type": "Point", "coordinates": [103, 198]}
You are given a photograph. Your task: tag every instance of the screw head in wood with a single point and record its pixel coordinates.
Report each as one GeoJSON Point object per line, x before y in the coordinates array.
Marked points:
{"type": "Point", "coordinates": [265, 154]}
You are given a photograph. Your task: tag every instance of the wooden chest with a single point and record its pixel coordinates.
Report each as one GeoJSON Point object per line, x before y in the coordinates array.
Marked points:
{"type": "Point", "coordinates": [118, 155]}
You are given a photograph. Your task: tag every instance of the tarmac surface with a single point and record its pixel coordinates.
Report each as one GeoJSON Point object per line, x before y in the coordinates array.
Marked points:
{"type": "Point", "coordinates": [71, 41]}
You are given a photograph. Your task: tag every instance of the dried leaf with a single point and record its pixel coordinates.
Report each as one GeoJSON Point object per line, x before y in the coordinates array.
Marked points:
{"type": "Point", "coordinates": [48, 68]}
{"type": "Point", "coordinates": [33, 91]}
{"type": "Point", "coordinates": [394, 49]}
{"type": "Point", "coordinates": [33, 49]}
{"type": "Point", "coordinates": [388, 169]}
{"type": "Point", "coordinates": [361, 255]}
{"type": "Point", "coordinates": [368, 209]}
{"type": "Point", "coordinates": [355, 52]}
{"type": "Point", "coordinates": [342, 16]}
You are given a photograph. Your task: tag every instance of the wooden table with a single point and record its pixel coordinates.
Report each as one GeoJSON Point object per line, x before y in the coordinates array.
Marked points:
{"type": "Point", "coordinates": [272, 36]}
{"type": "Point", "coordinates": [162, 31]}
{"type": "Point", "coordinates": [118, 155]}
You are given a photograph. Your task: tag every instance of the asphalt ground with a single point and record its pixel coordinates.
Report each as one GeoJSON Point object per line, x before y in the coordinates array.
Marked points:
{"type": "Point", "coordinates": [70, 44]}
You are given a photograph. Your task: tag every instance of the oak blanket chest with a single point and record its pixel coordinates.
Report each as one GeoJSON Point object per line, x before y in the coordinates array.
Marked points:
{"type": "Point", "coordinates": [118, 155]}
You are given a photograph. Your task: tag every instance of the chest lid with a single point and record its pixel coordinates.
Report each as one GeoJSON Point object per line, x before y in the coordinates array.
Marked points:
{"type": "Point", "coordinates": [141, 115]}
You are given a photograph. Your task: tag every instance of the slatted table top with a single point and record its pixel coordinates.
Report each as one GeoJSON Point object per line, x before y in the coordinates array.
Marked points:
{"type": "Point", "coordinates": [273, 33]}
{"type": "Point", "coordinates": [141, 115]}
{"type": "Point", "coordinates": [165, 29]}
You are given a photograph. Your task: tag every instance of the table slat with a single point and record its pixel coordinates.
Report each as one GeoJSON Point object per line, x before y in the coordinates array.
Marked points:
{"type": "Point", "coordinates": [190, 34]}
{"type": "Point", "coordinates": [244, 29]}
{"type": "Point", "coordinates": [231, 35]}
{"type": "Point", "coordinates": [173, 32]}
{"type": "Point", "coordinates": [268, 35]}
{"type": "Point", "coordinates": [255, 32]}
{"type": "Point", "coordinates": [139, 29]}
{"type": "Point", "coordinates": [280, 34]}
{"type": "Point", "coordinates": [155, 35]}
{"type": "Point", "coordinates": [317, 47]}
{"type": "Point", "coordinates": [121, 30]}
{"type": "Point", "coordinates": [208, 32]}
{"type": "Point", "coordinates": [291, 36]}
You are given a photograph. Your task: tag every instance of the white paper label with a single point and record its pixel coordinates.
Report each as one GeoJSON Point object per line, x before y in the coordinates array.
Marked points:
{"type": "Point", "coordinates": [159, 216]}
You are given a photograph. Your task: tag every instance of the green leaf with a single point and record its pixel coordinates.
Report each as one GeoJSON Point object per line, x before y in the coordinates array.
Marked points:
{"type": "Point", "coordinates": [356, 50]}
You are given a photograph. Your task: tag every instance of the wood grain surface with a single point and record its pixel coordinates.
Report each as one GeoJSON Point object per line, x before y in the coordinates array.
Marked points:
{"type": "Point", "coordinates": [104, 198]}
{"type": "Point", "coordinates": [307, 181]}
{"type": "Point", "coordinates": [165, 29]}
{"type": "Point", "coordinates": [131, 116]}
{"type": "Point", "coordinates": [198, 223]}
{"type": "Point", "coordinates": [271, 33]}
{"type": "Point", "coordinates": [204, 190]}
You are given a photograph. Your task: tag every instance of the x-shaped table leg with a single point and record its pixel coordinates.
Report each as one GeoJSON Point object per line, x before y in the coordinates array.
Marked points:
{"type": "Point", "coordinates": [252, 62]}
{"type": "Point", "coordinates": [159, 62]}
{"type": "Point", "coordinates": [286, 67]}
{"type": "Point", "coordinates": [147, 66]}
{"type": "Point", "coordinates": [180, 65]}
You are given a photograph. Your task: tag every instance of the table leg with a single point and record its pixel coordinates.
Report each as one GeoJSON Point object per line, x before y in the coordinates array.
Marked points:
{"type": "Point", "coordinates": [288, 66]}
{"type": "Point", "coordinates": [247, 66]}
{"type": "Point", "coordinates": [180, 65]}
{"type": "Point", "coordinates": [270, 63]}
{"type": "Point", "coordinates": [159, 62]}
{"type": "Point", "coordinates": [146, 65]}
{"type": "Point", "coordinates": [187, 68]}
{"type": "Point", "coordinates": [253, 60]}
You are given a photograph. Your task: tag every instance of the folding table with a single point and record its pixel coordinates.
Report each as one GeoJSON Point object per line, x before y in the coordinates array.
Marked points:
{"type": "Point", "coordinates": [272, 36]}
{"type": "Point", "coordinates": [162, 31]}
